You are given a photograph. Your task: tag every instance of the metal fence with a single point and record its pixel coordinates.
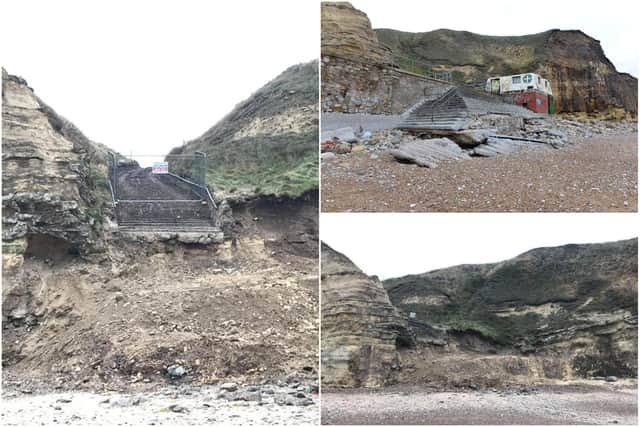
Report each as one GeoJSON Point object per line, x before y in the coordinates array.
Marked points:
{"type": "Point", "coordinates": [415, 66]}
{"type": "Point", "coordinates": [189, 169]}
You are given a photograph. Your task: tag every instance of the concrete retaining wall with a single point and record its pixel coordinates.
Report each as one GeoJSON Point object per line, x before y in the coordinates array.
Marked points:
{"type": "Point", "coordinates": [357, 87]}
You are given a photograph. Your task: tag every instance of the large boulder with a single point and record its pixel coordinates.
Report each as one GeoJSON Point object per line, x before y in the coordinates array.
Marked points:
{"type": "Point", "coordinates": [470, 137]}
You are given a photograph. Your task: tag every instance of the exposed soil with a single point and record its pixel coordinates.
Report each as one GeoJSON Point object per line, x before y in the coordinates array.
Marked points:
{"type": "Point", "coordinates": [596, 175]}
{"type": "Point", "coordinates": [558, 404]}
{"type": "Point", "coordinates": [244, 311]}
{"type": "Point", "coordinates": [286, 224]}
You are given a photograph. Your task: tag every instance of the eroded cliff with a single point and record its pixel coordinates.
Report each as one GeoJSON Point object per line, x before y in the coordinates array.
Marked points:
{"type": "Point", "coordinates": [361, 330]}
{"type": "Point", "coordinates": [376, 70]}
{"type": "Point", "coordinates": [54, 179]}
{"type": "Point", "coordinates": [346, 32]}
{"type": "Point", "coordinates": [551, 313]}
{"type": "Point", "coordinates": [582, 77]}
{"type": "Point", "coordinates": [358, 75]}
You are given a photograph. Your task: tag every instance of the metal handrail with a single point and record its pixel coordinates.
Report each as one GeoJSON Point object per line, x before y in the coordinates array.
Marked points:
{"type": "Point", "coordinates": [201, 188]}
{"type": "Point", "coordinates": [112, 162]}
{"type": "Point", "coordinates": [428, 70]}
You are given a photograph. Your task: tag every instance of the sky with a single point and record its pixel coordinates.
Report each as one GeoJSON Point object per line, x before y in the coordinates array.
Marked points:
{"type": "Point", "coordinates": [614, 23]}
{"type": "Point", "coordinates": [144, 76]}
{"type": "Point", "coordinates": [393, 245]}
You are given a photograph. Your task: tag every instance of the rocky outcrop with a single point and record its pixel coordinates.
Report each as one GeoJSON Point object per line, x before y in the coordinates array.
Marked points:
{"type": "Point", "coordinates": [54, 183]}
{"type": "Point", "coordinates": [346, 32]}
{"type": "Point", "coordinates": [358, 75]}
{"type": "Point", "coordinates": [582, 77]}
{"type": "Point", "coordinates": [360, 328]}
{"type": "Point", "coordinates": [267, 145]}
{"type": "Point", "coordinates": [572, 309]}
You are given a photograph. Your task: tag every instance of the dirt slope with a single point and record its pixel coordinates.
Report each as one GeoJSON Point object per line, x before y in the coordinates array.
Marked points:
{"type": "Point", "coordinates": [85, 306]}
{"type": "Point", "coordinates": [242, 311]}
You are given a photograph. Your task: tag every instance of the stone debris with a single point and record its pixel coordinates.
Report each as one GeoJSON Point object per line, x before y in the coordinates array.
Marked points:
{"type": "Point", "coordinates": [346, 134]}
{"type": "Point", "coordinates": [487, 135]}
{"type": "Point", "coordinates": [229, 386]}
{"type": "Point", "coordinates": [428, 152]}
{"type": "Point", "coordinates": [470, 137]}
{"type": "Point", "coordinates": [176, 371]}
{"type": "Point", "coordinates": [496, 146]}
{"type": "Point", "coordinates": [184, 405]}
{"type": "Point", "coordinates": [178, 408]}
{"type": "Point", "coordinates": [335, 146]}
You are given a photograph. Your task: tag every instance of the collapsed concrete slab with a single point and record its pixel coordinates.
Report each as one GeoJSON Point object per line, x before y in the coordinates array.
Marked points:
{"type": "Point", "coordinates": [428, 152]}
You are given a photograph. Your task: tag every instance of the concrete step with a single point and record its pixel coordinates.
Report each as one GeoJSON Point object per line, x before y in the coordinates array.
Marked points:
{"type": "Point", "coordinates": [164, 212]}
{"type": "Point", "coordinates": [169, 228]}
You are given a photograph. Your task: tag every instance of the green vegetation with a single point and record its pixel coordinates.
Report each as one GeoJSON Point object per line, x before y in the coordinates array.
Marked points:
{"type": "Point", "coordinates": [567, 276]}
{"type": "Point", "coordinates": [269, 167]}
{"type": "Point", "coordinates": [471, 56]}
{"type": "Point", "coordinates": [280, 165]}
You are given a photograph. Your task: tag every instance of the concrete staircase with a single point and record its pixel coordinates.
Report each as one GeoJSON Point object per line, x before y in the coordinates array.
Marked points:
{"type": "Point", "coordinates": [187, 215]}
{"type": "Point", "coordinates": [447, 112]}
{"type": "Point", "coordinates": [456, 108]}
{"type": "Point", "coordinates": [161, 204]}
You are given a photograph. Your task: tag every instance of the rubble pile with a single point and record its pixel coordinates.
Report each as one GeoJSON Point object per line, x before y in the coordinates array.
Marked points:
{"type": "Point", "coordinates": [486, 137]}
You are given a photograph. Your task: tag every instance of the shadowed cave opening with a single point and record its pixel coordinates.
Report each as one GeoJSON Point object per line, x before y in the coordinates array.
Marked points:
{"type": "Point", "coordinates": [46, 247]}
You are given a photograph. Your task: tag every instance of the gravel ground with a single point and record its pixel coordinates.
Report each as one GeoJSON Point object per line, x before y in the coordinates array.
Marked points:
{"type": "Point", "coordinates": [596, 175]}
{"type": "Point", "coordinates": [554, 406]}
{"type": "Point", "coordinates": [170, 407]}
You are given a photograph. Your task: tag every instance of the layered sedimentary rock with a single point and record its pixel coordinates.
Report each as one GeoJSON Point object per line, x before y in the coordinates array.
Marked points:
{"type": "Point", "coordinates": [582, 77]}
{"type": "Point", "coordinates": [357, 71]}
{"type": "Point", "coordinates": [360, 328]}
{"type": "Point", "coordinates": [267, 145]}
{"type": "Point", "coordinates": [562, 312]}
{"type": "Point", "coordinates": [346, 32]}
{"type": "Point", "coordinates": [54, 183]}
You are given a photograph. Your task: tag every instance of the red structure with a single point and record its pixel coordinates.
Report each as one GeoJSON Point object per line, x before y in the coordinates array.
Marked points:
{"type": "Point", "coordinates": [537, 102]}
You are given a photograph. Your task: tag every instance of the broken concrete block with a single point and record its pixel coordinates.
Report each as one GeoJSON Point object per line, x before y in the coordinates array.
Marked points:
{"type": "Point", "coordinates": [343, 134]}
{"type": "Point", "coordinates": [470, 137]}
{"type": "Point", "coordinates": [428, 152]}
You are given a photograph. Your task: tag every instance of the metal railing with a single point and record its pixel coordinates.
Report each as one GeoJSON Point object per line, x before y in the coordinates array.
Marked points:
{"type": "Point", "coordinates": [112, 164]}
{"type": "Point", "coordinates": [191, 173]}
{"type": "Point", "coordinates": [421, 68]}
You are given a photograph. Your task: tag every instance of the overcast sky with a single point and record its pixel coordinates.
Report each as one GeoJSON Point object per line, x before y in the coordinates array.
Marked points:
{"type": "Point", "coordinates": [142, 76]}
{"type": "Point", "coordinates": [392, 245]}
{"type": "Point", "coordinates": [614, 23]}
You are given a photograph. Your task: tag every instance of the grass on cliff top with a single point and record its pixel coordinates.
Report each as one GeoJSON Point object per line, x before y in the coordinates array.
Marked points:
{"type": "Point", "coordinates": [500, 54]}
{"type": "Point", "coordinates": [271, 166]}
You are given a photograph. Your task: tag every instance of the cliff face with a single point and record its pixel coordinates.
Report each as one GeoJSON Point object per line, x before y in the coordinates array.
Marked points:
{"type": "Point", "coordinates": [357, 71]}
{"type": "Point", "coordinates": [346, 32]}
{"type": "Point", "coordinates": [582, 77]}
{"type": "Point", "coordinates": [360, 327]}
{"type": "Point", "coordinates": [267, 145]}
{"type": "Point", "coordinates": [573, 306]}
{"type": "Point", "coordinates": [54, 180]}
